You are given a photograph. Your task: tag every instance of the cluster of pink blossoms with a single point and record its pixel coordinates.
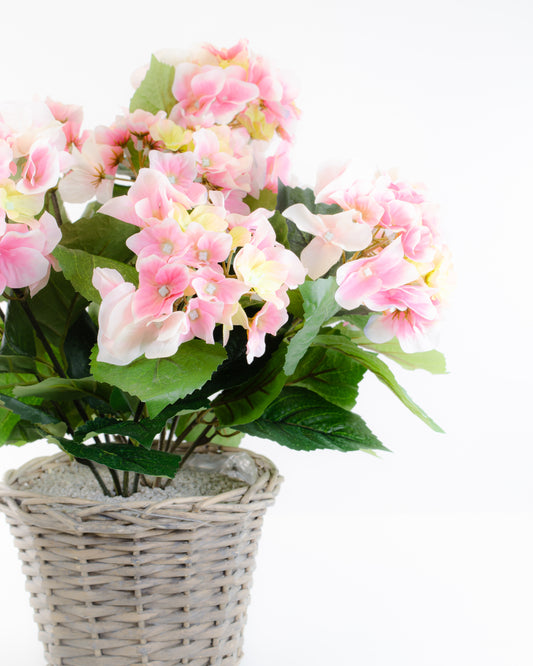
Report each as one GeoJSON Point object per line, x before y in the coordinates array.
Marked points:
{"type": "Point", "coordinates": [393, 260]}
{"type": "Point", "coordinates": [35, 140]}
{"type": "Point", "coordinates": [230, 131]}
{"type": "Point", "coordinates": [194, 268]}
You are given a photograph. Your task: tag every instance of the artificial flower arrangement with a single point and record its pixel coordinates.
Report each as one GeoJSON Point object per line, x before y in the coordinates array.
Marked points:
{"type": "Point", "coordinates": [199, 296]}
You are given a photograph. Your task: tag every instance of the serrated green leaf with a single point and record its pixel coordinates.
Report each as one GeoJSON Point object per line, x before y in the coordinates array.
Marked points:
{"type": "Point", "coordinates": [373, 363]}
{"type": "Point", "coordinates": [79, 341]}
{"type": "Point", "coordinates": [14, 364]}
{"type": "Point", "coordinates": [248, 401]}
{"type": "Point", "coordinates": [432, 361]}
{"type": "Point", "coordinates": [302, 420]}
{"type": "Point", "coordinates": [279, 224]}
{"type": "Point", "coordinates": [319, 305]}
{"type": "Point", "coordinates": [124, 457]}
{"type": "Point", "coordinates": [56, 307]}
{"type": "Point", "coordinates": [155, 92]}
{"type": "Point", "coordinates": [25, 411]}
{"type": "Point", "coordinates": [267, 199]}
{"type": "Point", "coordinates": [78, 267]}
{"type": "Point", "coordinates": [100, 235]}
{"type": "Point", "coordinates": [18, 338]}
{"type": "Point", "coordinates": [163, 379]}
{"type": "Point", "coordinates": [288, 196]}
{"type": "Point", "coordinates": [8, 420]}
{"type": "Point", "coordinates": [137, 431]}
{"type": "Point", "coordinates": [331, 374]}
{"type": "Point", "coordinates": [59, 388]}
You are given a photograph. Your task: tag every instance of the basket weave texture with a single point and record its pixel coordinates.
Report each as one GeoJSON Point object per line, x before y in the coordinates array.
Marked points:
{"type": "Point", "coordinates": [138, 583]}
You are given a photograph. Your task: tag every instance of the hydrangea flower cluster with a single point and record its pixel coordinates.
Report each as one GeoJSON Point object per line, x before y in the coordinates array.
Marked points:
{"type": "Point", "coordinates": [194, 269]}
{"type": "Point", "coordinates": [35, 139]}
{"type": "Point", "coordinates": [229, 128]}
{"type": "Point", "coordinates": [199, 296]}
{"type": "Point", "coordinates": [392, 258]}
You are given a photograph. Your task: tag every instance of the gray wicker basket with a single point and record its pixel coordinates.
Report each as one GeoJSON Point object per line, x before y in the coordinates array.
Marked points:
{"type": "Point", "coordinates": [138, 584]}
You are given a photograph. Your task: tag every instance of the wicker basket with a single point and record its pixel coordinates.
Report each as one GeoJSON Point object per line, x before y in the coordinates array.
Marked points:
{"type": "Point", "coordinates": [160, 584]}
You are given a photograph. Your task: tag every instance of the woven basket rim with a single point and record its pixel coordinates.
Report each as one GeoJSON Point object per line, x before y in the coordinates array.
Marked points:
{"type": "Point", "coordinates": [77, 510]}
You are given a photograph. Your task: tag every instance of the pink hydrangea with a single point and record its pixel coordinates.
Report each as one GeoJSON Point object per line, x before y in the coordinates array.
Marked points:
{"type": "Point", "coordinates": [25, 253]}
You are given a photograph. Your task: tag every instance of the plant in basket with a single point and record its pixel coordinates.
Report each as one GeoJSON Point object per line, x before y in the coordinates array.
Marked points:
{"type": "Point", "coordinates": [199, 296]}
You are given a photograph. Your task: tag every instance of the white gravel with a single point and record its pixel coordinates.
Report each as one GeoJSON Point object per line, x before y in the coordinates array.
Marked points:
{"type": "Point", "coordinates": [76, 480]}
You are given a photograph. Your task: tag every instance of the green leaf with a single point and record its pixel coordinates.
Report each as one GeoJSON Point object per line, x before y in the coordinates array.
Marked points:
{"type": "Point", "coordinates": [319, 305]}
{"type": "Point", "coordinates": [78, 267]}
{"type": "Point", "coordinates": [124, 457]}
{"type": "Point", "coordinates": [432, 361]}
{"type": "Point", "coordinates": [330, 374]}
{"type": "Point", "coordinates": [18, 338]}
{"type": "Point", "coordinates": [56, 307]}
{"type": "Point", "coordinates": [100, 235]}
{"type": "Point", "coordinates": [80, 339]}
{"type": "Point", "coordinates": [142, 431]}
{"type": "Point", "coordinates": [373, 363]}
{"type": "Point", "coordinates": [279, 224]}
{"type": "Point", "coordinates": [14, 364]}
{"type": "Point", "coordinates": [223, 436]}
{"type": "Point", "coordinates": [155, 92]}
{"type": "Point", "coordinates": [9, 381]}
{"type": "Point", "coordinates": [267, 199]}
{"type": "Point", "coordinates": [8, 420]}
{"type": "Point", "coordinates": [304, 421]}
{"type": "Point", "coordinates": [163, 379]}
{"type": "Point", "coordinates": [58, 388]}
{"type": "Point", "coordinates": [287, 196]}
{"type": "Point", "coordinates": [248, 401]}
{"type": "Point", "coordinates": [26, 412]}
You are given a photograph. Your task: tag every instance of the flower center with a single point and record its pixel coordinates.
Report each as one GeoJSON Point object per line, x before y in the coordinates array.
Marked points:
{"type": "Point", "coordinates": [163, 291]}
{"type": "Point", "coordinates": [193, 314]}
{"type": "Point", "coordinates": [167, 247]}
{"type": "Point", "coordinates": [211, 288]}
{"type": "Point", "coordinates": [328, 236]}
{"type": "Point", "coordinates": [203, 255]}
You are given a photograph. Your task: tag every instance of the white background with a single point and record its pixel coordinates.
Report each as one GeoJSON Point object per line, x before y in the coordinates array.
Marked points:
{"type": "Point", "coordinates": [420, 557]}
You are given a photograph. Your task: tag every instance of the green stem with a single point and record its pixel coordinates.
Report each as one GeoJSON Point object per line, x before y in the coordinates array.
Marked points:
{"type": "Point", "coordinates": [57, 366]}
{"type": "Point", "coordinates": [39, 332]}
{"type": "Point", "coordinates": [172, 432]}
{"type": "Point", "coordinates": [125, 483]}
{"type": "Point", "coordinates": [96, 475]}
{"type": "Point", "coordinates": [116, 481]}
{"type": "Point", "coordinates": [191, 426]}
{"type": "Point", "coordinates": [202, 439]}
{"type": "Point", "coordinates": [57, 210]}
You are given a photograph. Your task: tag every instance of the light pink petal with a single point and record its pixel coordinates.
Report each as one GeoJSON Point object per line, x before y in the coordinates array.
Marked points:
{"type": "Point", "coordinates": [318, 257]}
{"type": "Point", "coordinates": [304, 219]}
{"type": "Point", "coordinates": [106, 279]}
{"type": "Point", "coordinates": [346, 233]}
